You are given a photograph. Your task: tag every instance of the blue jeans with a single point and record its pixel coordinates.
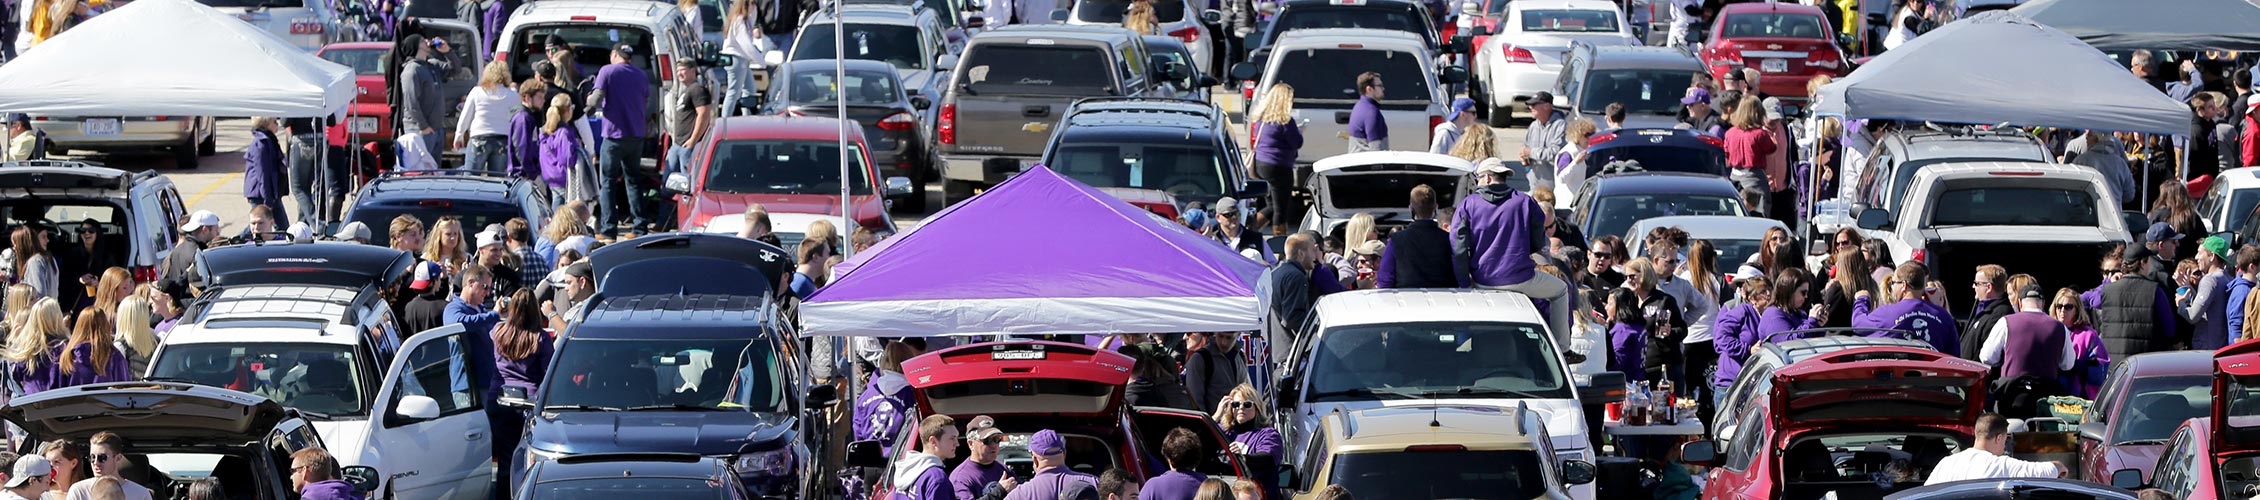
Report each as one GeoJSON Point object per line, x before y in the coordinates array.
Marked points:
{"type": "Point", "coordinates": [615, 162]}
{"type": "Point", "coordinates": [678, 159]}
{"type": "Point", "coordinates": [486, 153]}
{"type": "Point", "coordinates": [305, 171]}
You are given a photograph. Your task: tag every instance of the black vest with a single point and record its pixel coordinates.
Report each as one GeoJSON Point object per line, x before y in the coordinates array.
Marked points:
{"type": "Point", "coordinates": [2128, 318]}
{"type": "Point", "coordinates": [1420, 256]}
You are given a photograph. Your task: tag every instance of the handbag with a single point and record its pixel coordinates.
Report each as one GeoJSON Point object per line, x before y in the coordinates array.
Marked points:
{"type": "Point", "coordinates": [1248, 157]}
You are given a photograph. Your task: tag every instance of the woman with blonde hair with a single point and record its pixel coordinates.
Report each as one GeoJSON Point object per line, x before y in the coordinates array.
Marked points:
{"type": "Point", "coordinates": [484, 124]}
{"type": "Point", "coordinates": [94, 356]}
{"type": "Point", "coordinates": [137, 335]}
{"type": "Point", "coordinates": [571, 219]}
{"type": "Point", "coordinates": [1253, 438]}
{"type": "Point", "coordinates": [1278, 143]}
{"type": "Point", "coordinates": [30, 355]}
{"type": "Point", "coordinates": [1569, 165]}
{"type": "Point", "coordinates": [1476, 143]}
{"type": "Point", "coordinates": [446, 246]}
{"type": "Point", "coordinates": [563, 156]}
{"type": "Point", "coordinates": [1139, 17]}
{"type": "Point", "coordinates": [20, 298]}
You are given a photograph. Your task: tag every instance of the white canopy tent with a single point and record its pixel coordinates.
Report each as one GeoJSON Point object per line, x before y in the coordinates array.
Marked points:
{"type": "Point", "coordinates": [172, 58]}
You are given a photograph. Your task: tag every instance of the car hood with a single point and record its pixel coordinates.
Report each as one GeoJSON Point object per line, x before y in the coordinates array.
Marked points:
{"type": "Point", "coordinates": [704, 433]}
{"type": "Point", "coordinates": [869, 211]}
{"type": "Point", "coordinates": [146, 410]}
{"type": "Point", "coordinates": [1565, 421]}
{"type": "Point", "coordinates": [349, 434]}
{"type": "Point", "coordinates": [2143, 457]}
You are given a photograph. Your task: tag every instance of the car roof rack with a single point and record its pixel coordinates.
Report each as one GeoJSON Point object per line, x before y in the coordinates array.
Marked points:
{"type": "Point", "coordinates": [451, 172]}
{"type": "Point", "coordinates": [1169, 105]}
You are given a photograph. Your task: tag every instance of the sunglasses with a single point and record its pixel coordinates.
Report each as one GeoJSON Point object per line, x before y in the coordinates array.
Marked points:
{"type": "Point", "coordinates": [2066, 307]}
{"type": "Point", "coordinates": [1844, 243]}
{"type": "Point", "coordinates": [105, 457]}
{"type": "Point", "coordinates": [1240, 404]}
{"type": "Point", "coordinates": [1604, 255]}
{"type": "Point", "coordinates": [1982, 283]}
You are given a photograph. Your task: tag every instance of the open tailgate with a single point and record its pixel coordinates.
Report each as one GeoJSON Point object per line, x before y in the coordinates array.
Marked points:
{"type": "Point", "coordinates": [1898, 385]}
{"type": "Point", "coordinates": [2236, 391]}
{"type": "Point", "coordinates": [1048, 378]}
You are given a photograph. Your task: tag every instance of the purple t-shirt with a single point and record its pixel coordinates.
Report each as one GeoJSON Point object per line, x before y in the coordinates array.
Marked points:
{"type": "Point", "coordinates": [1173, 485]}
{"type": "Point", "coordinates": [970, 478]}
{"type": "Point", "coordinates": [627, 96]}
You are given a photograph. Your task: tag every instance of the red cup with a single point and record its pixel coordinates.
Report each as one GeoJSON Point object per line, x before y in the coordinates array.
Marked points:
{"type": "Point", "coordinates": [1616, 411]}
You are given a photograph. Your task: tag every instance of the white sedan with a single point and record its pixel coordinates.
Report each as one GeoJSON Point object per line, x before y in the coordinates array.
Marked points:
{"type": "Point", "coordinates": [1525, 56]}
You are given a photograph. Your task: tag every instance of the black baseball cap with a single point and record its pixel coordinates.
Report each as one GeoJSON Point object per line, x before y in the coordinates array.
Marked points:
{"type": "Point", "coordinates": [556, 41]}
{"type": "Point", "coordinates": [625, 49]}
{"type": "Point", "coordinates": [1542, 96]}
{"type": "Point", "coordinates": [2032, 292]}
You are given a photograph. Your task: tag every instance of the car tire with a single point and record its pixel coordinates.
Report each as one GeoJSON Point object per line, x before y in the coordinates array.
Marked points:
{"type": "Point", "coordinates": [916, 202]}
{"type": "Point", "coordinates": [184, 155]}
{"type": "Point", "coordinates": [1501, 116]}
{"type": "Point", "coordinates": [954, 191]}
{"type": "Point", "coordinates": [211, 143]}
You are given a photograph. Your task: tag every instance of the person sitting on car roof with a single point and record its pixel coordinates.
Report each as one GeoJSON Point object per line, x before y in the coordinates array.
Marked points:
{"type": "Point", "coordinates": [1494, 235]}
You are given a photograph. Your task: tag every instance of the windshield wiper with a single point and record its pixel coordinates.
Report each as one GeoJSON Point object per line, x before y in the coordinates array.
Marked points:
{"type": "Point", "coordinates": [673, 407]}
{"type": "Point", "coordinates": [579, 408]}
{"type": "Point", "coordinates": [1364, 392]}
{"type": "Point", "coordinates": [317, 415]}
{"type": "Point", "coordinates": [2140, 442]}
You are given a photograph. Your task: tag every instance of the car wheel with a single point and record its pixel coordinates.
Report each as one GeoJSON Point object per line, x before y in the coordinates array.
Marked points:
{"type": "Point", "coordinates": [954, 191]}
{"type": "Point", "coordinates": [1501, 116]}
{"type": "Point", "coordinates": [211, 144]}
{"type": "Point", "coordinates": [184, 155]}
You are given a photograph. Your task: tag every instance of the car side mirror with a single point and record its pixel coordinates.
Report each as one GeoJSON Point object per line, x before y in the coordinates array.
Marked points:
{"type": "Point", "coordinates": [679, 183]}
{"type": "Point", "coordinates": [1704, 453]}
{"type": "Point", "coordinates": [1175, 72]}
{"type": "Point", "coordinates": [1577, 472]}
{"type": "Point", "coordinates": [822, 396]}
{"type": "Point", "coordinates": [1246, 71]}
{"type": "Point", "coordinates": [1287, 391]}
{"type": "Point", "coordinates": [1601, 388]}
{"type": "Point", "coordinates": [976, 22]}
{"type": "Point", "coordinates": [946, 61]}
{"type": "Point", "coordinates": [773, 58]}
{"type": "Point", "coordinates": [515, 398]}
{"type": "Point", "coordinates": [1471, 9]}
{"type": "Point", "coordinates": [362, 478]}
{"type": "Point", "coordinates": [898, 186]}
{"type": "Point", "coordinates": [865, 453]}
{"type": "Point", "coordinates": [2092, 431]}
{"type": "Point", "coordinates": [1059, 15]}
{"type": "Point", "coordinates": [920, 102]}
{"type": "Point", "coordinates": [417, 408]}
{"type": "Point", "coordinates": [1287, 479]}
{"type": "Point", "coordinates": [1451, 75]}
{"type": "Point", "coordinates": [1874, 219]}
{"type": "Point", "coordinates": [1207, 81]}
{"type": "Point", "coordinates": [2130, 479]}
{"type": "Point", "coordinates": [1459, 45]}
{"type": "Point", "coordinates": [1212, 16]}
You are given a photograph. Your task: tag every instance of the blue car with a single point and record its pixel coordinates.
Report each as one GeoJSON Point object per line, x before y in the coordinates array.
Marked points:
{"type": "Point", "coordinates": [1654, 149]}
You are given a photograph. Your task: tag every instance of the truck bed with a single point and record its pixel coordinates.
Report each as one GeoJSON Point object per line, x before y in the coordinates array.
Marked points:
{"type": "Point", "coordinates": [2056, 264]}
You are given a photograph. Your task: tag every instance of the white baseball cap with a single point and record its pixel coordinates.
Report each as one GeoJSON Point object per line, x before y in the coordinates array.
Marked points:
{"type": "Point", "coordinates": [199, 220]}
{"type": "Point", "coordinates": [354, 231]}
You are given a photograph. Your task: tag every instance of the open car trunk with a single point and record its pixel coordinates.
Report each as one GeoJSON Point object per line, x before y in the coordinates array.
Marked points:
{"type": "Point", "coordinates": [2236, 399]}
{"type": "Point", "coordinates": [2055, 264]}
{"type": "Point", "coordinates": [146, 411]}
{"type": "Point", "coordinates": [724, 264]}
{"type": "Point", "coordinates": [1021, 378]}
{"type": "Point", "coordinates": [322, 264]}
{"type": "Point", "coordinates": [1870, 385]}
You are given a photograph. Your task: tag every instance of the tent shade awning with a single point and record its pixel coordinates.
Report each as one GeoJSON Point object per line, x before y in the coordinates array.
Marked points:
{"type": "Point", "coordinates": [2124, 25]}
{"type": "Point", "coordinates": [172, 58]}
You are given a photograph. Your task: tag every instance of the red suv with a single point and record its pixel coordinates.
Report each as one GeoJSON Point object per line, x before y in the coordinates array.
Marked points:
{"type": "Point", "coordinates": [790, 165]}
{"type": "Point", "coordinates": [1072, 389]}
{"type": "Point", "coordinates": [1788, 43]}
{"type": "Point", "coordinates": [2214, 457]}
{"type": "Point", "coordinates": [1860, 423]}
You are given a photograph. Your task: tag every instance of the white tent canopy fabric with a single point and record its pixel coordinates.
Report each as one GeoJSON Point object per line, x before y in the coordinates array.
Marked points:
{"type": "Point", "coordinates": [172, 58]}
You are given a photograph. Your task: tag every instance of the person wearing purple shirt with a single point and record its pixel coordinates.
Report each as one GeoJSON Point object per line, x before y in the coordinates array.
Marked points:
{"type": "Point", "coordinates": [1183, 451]}
{"type": "Point", "coordinates": [94, 357]}
{"type": "Point", "coordinates": [1789, 294]}
{"type": "Point", "coordinates": [1736, 330]}
{"type": "Point", "coordinates": [522, 159]}
{"type": "Point", "coordinates": [1929, 322]}
{"type": "Point", "coordinates": [560, 149]}
{"type": "Point", "coordinates": [1494, 234]}
{"type": "Point", "coordinates": [1245, 425]}
{"type": "Point", "coordinates": [623, 94]}
{"type": "Point", "coordinates": [981, 476]}
{"type": "Point", "coordinates": [1368, 131]}
{"type": "Point", "coordinates": [1052, 475]}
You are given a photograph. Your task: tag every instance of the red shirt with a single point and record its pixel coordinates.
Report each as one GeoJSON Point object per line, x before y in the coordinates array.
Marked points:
{"type": "Point", "coordinates": [1747, 148]}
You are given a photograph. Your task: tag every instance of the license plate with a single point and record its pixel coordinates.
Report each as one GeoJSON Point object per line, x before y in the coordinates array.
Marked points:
{"type": "Point", "coordinates": [1015, 355]}
{"type": "Point", "coordinates": [99, 127]}
{"type": "Point", "coordinates": [364, 125]}
{"type": "Point", "coordinates": [1774, 65]}
{"type": "Point", "coordinates": [1027, 164]}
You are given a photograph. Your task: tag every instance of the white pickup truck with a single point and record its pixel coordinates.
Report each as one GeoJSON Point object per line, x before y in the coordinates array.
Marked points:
{"type": "Point", "coordinates": [2048, 220]}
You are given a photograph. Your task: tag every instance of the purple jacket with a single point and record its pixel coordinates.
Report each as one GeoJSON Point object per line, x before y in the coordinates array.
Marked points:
{"type": "Point", "coordinates": [1628, 343]}
{"type": "Point", "coordinates": [494, 20]}
{"type": "Point", "coordinates": [881, 408]}
{"type": "Point", "coordinates": [1173, 485]}
{"type": "Point", "coordinates": [1494, 235]}
{"type": "Point", "coordinates": [524, 158]}
{"type": "Point", "coordinates": [1366, 122]}
{"type": "Point", "coordinates": [1776, 320]}
{"type": "Point", "coordinates": [970, 479]}
{"type": "Point", "coordinates": [39, 379]}
{"type": "Point", "coordinates": [84, 372]}
{"type": "Point", "coordinates": [1323, 281]}
{"type": "Point", "coordinates": [334, 489]}
{"type": "Point", "coordinates": [263, 167]}
{"type": "Point", "coordinates": [559, 150]}
{"type": "Point", "coordinates": [527, 372]}
{"type": "Point", "coordinates": [1929, 322]}
{"type": "Point", "coordinates": [1261, 440]}
{"type": "Point", "coordinates": [1732, 335]}
{"type": "Point", "coordinates": [1279, 143]}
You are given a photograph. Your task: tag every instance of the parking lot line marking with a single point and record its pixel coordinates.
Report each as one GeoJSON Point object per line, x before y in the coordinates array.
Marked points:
{"type": "Point", "coordinates": [215, 185]}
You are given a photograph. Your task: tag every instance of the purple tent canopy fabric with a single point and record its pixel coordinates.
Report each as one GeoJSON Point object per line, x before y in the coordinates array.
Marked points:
{"type": "Point", "coordinates": [1040, 254]}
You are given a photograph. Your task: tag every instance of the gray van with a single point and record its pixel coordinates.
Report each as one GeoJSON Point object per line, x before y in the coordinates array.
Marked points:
{"type": "Point", "coordinates": [1013, 84]}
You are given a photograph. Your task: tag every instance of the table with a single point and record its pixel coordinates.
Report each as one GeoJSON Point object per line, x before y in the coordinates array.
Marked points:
{"type": "Point", "coordinates": [1685, 427]}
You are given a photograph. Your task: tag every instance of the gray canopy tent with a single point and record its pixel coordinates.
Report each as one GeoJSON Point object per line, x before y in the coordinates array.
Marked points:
{"type": "Point", "coordinates": [2121, 25]}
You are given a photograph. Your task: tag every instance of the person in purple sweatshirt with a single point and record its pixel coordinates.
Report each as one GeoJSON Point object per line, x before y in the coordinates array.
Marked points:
{"type": "Point", "coordinates": [1183, 451]}
{"type": "Point", "coordinates": [1737, 328]}
{"type": "Point", "coordinates": [94, 356]}
{"type": "Point", "coordinates": [1368, 131]}
{"type": "Point", "coordinates": [561, 150]}
{"type": "Point", "coordinates": [981, 476]}
{"type": "Point", "coordinates": [1494, 234]}
{"type": "Point", "coordinates": [919, 474]}
{"type": "Point", "coordinates": [1789, 295]}
{"type": "Point", "coordinates": [312, 474]}
{"type": "Point", "coordinates": [1278, 142]}
{"type": "Point", "coordinates": [1253, 438]}
{"type": "Point", "coordinates": [522, 150]}
{"type": "Point", "coordinates": [1630, 324]}
{"type": "Point", "coordinates": [886, 399]}
{"type": "Point", "coordinates": [1928, 321]}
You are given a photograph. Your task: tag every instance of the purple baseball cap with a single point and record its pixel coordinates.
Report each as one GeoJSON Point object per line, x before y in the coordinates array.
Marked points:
{"type": "Point", "coordinates": [1047, 443]}
{"type": "Point", "coordinates": [1695, 95]}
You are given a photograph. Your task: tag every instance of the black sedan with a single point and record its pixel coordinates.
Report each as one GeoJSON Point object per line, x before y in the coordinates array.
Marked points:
{"type": "Point", "coordinates": [875, 100]}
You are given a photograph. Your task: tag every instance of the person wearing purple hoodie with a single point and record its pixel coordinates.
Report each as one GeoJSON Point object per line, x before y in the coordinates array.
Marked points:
{"type": "Point", "coordinates": [1736, 331]}
{"type": "Point", "coordinates": [94, 357]}
{"type": "Point", "coordinates": [313, 474]}
{"type": "Point", "coordinates": [1183, 451]}
{"type": "Point", "coordinates": [560, 150]}
{"type": "Point", "coordinates": [1789, 295]}
{"type": "Point", "coordinates": [1494, 234]}
{"type": "Point", "coordinates": [522, 150]}
{"type": "Point", "coordinates": [1635, 311]}
{"type": "Point", "coordinates": [919, 474]}
{"type": "Point", "coordinates": [1909, 312]}
{"type": "Point", "coordinates": [1252, 437]}
{"type": "Point", "coordinates": [1278, 141]}
{"type": "Point", "coordinates": [885, 401]}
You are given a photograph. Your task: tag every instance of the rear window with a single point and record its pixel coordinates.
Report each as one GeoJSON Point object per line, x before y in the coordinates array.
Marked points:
{"type": "Point", "coordinates": [1386, 191]}
{"type": "Point", "coordinates": [1775, 25]}
{"type": "Point", "coordinates": [1185, 172]}
{"type": "Point", "coordinates": [592, 47]}
{"type": "Point", "coordinates": [1691, 160]}
{"type": "Point", "coordinates": [1617, 214]}
{"type": "Point", "coordinates": [2014, 206]}
{"type": "Point", "coordinates": [1333, 73]}
{"type": "Point", "coordinates": [1111, 11]}
{"type": "Point", "coordinates": [65, 220]}
{"type": "Point", "coordinates": [366, 62]}
{"type": "Point", "coordinates": [782, 167]}
{"type": "Point", "coordinates": [1569, 21]}
{"type": "Point", "coordinates": [861, 87]}
{"type": "Point", "coordinates": [893, 44]}
{"type": "Point", "coordinates": [1039, 69]}
{"type": "Point", "coordinates": [474, 216]}
{"type": "Point", "coordinates": [1641, 91]}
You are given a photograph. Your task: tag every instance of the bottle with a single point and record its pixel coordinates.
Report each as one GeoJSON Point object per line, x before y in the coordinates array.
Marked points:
{"type": "Point", "coordinates": [1636, 412]}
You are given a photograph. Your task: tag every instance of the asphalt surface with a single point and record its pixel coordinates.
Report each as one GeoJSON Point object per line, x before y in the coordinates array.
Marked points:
{"type": "Point", "coordinates": [217, 183]}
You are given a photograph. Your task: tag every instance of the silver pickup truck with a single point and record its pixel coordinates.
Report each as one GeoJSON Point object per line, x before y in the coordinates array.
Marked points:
{"type": "Point", "coordinates": [1323, 64]}
{"type": "Point", "coordinates": [1013, 84]}
{"type": "Point", "coordinates": [2049, 220]}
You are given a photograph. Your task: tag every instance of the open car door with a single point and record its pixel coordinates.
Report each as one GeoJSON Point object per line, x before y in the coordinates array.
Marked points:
{"type": "Point", "coordinates": [1898, 385]}
{"type": "Point", "coordinates": [1154, 424]}
{"type": "Point", "coordinates": [431, 410]}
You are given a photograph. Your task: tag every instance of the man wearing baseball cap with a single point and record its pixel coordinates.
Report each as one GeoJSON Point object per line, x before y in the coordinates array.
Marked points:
{"type": "Point", "coordinates": [1495, 233]}
{"type": "Point", "coordinates": [1447, 134]}
{"type": "Point", "coordinates": [2135, 313]}
{"type": "Point", "coordinates": [1549, 129]}
{"type": "Point", "coordinates": [493, 253]}
{"type": "Point", "coordinates": [1234, 232]}
{"type": "Point", "coordinates": [622, 92]}
{"type": "Point", "coordinates": [195, 232]}
{"type": "Point", "coordinates": [981, 475]}
{"type": "Point", "coordinates": [1052, 475]}
{"type": "Point", "coordinates": [429, 283]}
{"type": "Point", "coordinates": [30, 477]}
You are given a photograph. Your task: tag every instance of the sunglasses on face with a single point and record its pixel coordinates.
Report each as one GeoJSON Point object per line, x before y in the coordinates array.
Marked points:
{"type": "Point", "coordinates": [2066, 307]}
{"type": "Point", "coordinates": [1240, 405]}
{"type": "Point", "coordinates": [105, 457]}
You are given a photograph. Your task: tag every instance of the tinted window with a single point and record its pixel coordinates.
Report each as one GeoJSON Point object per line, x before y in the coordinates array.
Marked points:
{"type": "Point", "coordinates": [1773, 25]}
{"type": "Point", "coordinates": [368, 62]}
{"type": "Point", "coordinates": [1442, 474]}
{"type": "Point", "coordinates": [320, 378]}
{"type": "Point", "coordinates": [1035, 69]}
{"type": "Point", "coordinates": [645, 488]}
{"type": "Point", "coordinates": [782, 167]}
{"type": "Point", "coordinates": [2014, 206]}
{"type": "Point", "coordinates": [1110, 11]}
{"type": "Point", "coordinates": [2155, 405]}
{"type": "Point", "coordinates": [897, 45]}
{"type": "Point", "coordinates": [861, 87]}
{"type": "Point", "coordinates": [2240, 207]}
{"type": "Point", "coordinates": [1333, 73]}
{"type": "Point", "coordinates": [1653, 92]}
{"type": "Point", "coordinates": [473, 215]}
{"type": "Point", "coordinates": [1573, 21]}
{"type": "Point", "coordinates": [1329, 16]}
{"type": "Point", "coordinates": [435, 369]}
{"type": "Point", "coordinates": [728, 374]}
{"type": "Point", "coordinates": [1436, 360]}
{"type": "Point", "coordinates": [1616, 214]}
{"type": "Point", "coordinates": [1185, 172]}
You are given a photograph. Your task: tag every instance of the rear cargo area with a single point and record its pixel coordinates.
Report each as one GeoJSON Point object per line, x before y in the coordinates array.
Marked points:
{"type": "Point", "coordinates": [2056, 265]}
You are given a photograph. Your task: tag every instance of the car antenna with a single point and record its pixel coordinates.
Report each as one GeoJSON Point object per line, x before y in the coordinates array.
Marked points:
{"type": "Point", "coordinates": [1435, 411]}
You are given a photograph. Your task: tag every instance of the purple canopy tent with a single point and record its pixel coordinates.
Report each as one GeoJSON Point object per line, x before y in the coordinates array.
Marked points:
{"type": "Point", "coordinates": [1040, 254]}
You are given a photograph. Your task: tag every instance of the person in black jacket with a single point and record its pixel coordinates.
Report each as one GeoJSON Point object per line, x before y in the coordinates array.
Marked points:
{"type": "Point", "coordinates": [1992, 304]}
{"type": "Point", "coordinates": [1286, 289]}
{"type": "Point", "coordinates": [1420, 254]}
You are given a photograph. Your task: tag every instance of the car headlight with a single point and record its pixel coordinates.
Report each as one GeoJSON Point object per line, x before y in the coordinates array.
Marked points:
{"type": "Point", "coordinates": [1565, 456]}
{"type": "Point", "coordinates": [777, 462]}
{"type": "Point", "coordinates": [536, 455]}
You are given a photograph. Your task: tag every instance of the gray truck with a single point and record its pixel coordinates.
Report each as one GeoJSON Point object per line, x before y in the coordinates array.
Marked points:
{"type": "Point", "coordinates": [1014, 83]}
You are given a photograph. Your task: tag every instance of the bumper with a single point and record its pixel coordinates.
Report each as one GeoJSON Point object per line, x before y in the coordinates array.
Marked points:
{"type": "Point", "coordinates": [898, 155]}
{"type": "Point", "coordinates": [371, 123]}
{"type": "Point", "coordinates": [132, 133]}
{"type": "Point", "coordinates": [1786, 86]}
{"type": "Point", "coordinates": [985, 169]}
{"type": "Point", "coordinates": [1512, 84]}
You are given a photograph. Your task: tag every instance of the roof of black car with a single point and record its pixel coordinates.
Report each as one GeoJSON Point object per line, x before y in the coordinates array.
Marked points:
{"type": "Point", "coordinates": [621, 465]}
{"type": "Point", "coordinates": [443, 186]}
{"type": "Point", "coordinates": [321, 263]}
{"type": "Point", "coordinates": [1093, 32]}
{"type": "Point", "coordinates": [1664, 182]}
{"type": "Point", "coordinates": [682, 316]}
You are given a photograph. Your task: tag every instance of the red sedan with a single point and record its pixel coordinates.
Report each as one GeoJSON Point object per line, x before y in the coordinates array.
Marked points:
{"type": "Point", "coordinates": [1790, 44]}
{"type": "Point", "coordinates": [2143, 400]}
{"type": "Point", "coordinates": [1837, 422]}
{"type": "Point", "coordinates": [787, 164]}
{"type": "Point", "coordinates": [2214, 458]}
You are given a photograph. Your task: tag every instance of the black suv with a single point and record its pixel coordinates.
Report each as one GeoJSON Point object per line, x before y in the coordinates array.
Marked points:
{"type": "Point", "coordinates": [476, 198]}
{"type": "Point", "coordinates": [612, 475]}
{"type": "Point", "coordinates": [658, 363]}
{"type": "Point", "coordinates": [1136, 147]}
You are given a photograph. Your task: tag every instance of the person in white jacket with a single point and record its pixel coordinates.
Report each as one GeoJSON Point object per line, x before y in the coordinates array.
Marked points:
{"type": "Point", "coordinates": [742, 39]}
{"type": "Point", "coordinates": [1683, 15]}
{"type": "Point", "coordinates": [484, 123]}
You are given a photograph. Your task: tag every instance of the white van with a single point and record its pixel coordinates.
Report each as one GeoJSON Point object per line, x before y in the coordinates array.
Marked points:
{"type": "Point", "coordinates": [657, 30]}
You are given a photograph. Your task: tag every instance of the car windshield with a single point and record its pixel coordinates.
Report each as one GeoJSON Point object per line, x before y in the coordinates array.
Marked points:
{"type": "Point", "coordinates": [1775, 25]}
{"type": "Point", "coordinates": [2241, 205]}
{"type": "Point", "coordinates": [1188, 173]}
{"type": "Point", "coordinates": [1349, 16]}
{"type": "Point", "coordinates": [365, 62]}
{"type": "Point", "coordinates": [1571, 21]}
{"type": "Point", "coordinates": [2153, 406]}
{"type": "Point", "coordinates": [818, 86]}
{"type": "Point", "coordinates": [1332, 74]}
{"type": "Point", "coordinates": [894, 44]}
{"type": "Point", "coordinates": [1447, 473]}
{"type": "Point", "coordinates": [1039, 69]}
{"type": "Point", "coordinates": [643, 488]}
{"type": "Point", "coordinates": [2014, 206]}
{"type": "Point", "coordinates": [1437, 360]}
{"type": "Point", "coordinates": [782, 167]}
{"type": "Point", "coordinates": [319, 378]}
{"type": "Point", "coordinates": [1641, 91]}
{"type": "Point", "coordinates": [738, 374]}
{"type": "Point", "coordinates": [1616, 214]}
{"type": "Point", "coordinates": [1110, 11]}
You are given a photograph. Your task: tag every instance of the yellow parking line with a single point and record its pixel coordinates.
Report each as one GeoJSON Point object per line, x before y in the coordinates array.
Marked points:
{"type": "Point", "coordinates": [192, 200]}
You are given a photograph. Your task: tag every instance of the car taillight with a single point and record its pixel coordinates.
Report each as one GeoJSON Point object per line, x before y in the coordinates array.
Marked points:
{"type": "Point", "coordinates": [1520, 55]}
{"type": "Point", "coordinates": [1248, 92]}
{"type": "Point", "coordinates": [1433, 121]}
{"type": "Point", "coordinates": [159, 118]}
{"type": "Point", "coordinates": [1714, 141]}
{"type": "Point", "coordinates": [1188, 35]}
{"type": "Point", "coordinates": [306, 27]}
{"type": "Point", "coordinates": [666, 68]}
{"type": "Point", "coordinates": [145, 274]}
{"type": "Point", "coordinates": [1601, 138]}
{"type": "Point", "coordinates": [584, 18]}
{"type": "Point", "coordinates": [1921, 256]}
{"type": "Point", "coordinates": [946, 126]}
{"type": "Point", "coordinates": [501, 55]}
{"type": "Point", "coordinates": [897, 122]}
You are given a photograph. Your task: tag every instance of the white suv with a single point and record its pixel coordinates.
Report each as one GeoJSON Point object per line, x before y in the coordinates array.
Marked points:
{"type": "Point", "coordinates": [1177, 19]}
